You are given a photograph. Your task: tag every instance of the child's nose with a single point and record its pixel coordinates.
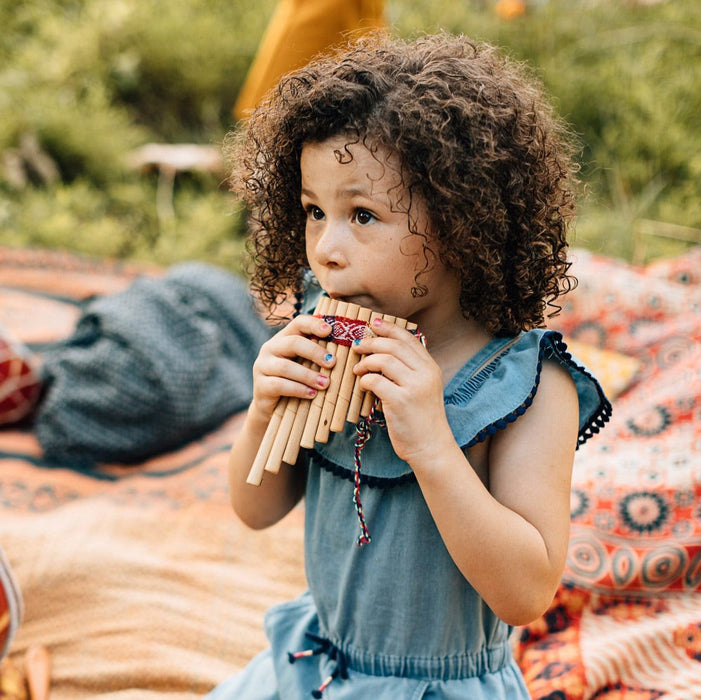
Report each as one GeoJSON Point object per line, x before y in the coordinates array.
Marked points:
{"type": "Point", "coordinates": [330, 244]}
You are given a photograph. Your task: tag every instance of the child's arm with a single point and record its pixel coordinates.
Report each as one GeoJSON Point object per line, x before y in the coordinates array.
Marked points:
{"type": "Point", "coordinates": [508, 538]}
{"type": "Point", "coordinates": [276, 372]}
{"type": "Point", "coordinates": [510, 541]}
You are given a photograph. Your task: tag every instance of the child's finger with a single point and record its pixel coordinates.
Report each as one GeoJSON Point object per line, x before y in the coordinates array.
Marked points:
{"type": "Point", "coordinates": [299, 347]}
{"type": "Point", "coordinates": [298, 340]}
{"type": "Point", "coordinates": [403, 345]}
{"type": "Point", "coordinates": [284, 386]}
{"type": "Point", "coordinates": [296, 372]}
{"type": "Point", "coordinates": [385, 329]}
{"type": "Point", "coordinates": [306, 325]}
{"type": "Point", "coordinates": [387, 365]}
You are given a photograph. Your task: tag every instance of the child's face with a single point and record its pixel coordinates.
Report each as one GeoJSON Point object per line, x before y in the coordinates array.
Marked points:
{"type": "Point", "coordinates": [358, 243]}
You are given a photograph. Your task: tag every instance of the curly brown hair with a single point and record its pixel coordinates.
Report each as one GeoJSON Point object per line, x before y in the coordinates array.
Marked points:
{"type": "Point", "coordinates": [479, 145]}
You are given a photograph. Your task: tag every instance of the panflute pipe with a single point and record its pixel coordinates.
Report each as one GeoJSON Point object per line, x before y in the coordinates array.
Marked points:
{"type": "Point", "coordinates": [323, 429]}
{"type": "Point", "coordinates": [322, 421]}
{"type": "Point", "coordinates": [255, 474]}
{"type": "Point", "coordinates": [369, 397]}
{"type": "Point", "coordinates": [277, 456]}
{"type": "Point", "coordinates": [309, 432]}
{"type": "Point", "coordinates": [358, 395]}
{"type": "Point", "coordinates": [345, 391]}
{"type": "Point", "coordinates": [291, 452]}
{"type": "Point", "coordinates": [292, 446]}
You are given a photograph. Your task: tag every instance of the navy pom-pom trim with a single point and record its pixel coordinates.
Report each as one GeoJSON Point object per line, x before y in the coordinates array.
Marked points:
{"type": "Point", "coordinates": [559, 348]}
{"type": "Point", "coordinates": [374, 482]}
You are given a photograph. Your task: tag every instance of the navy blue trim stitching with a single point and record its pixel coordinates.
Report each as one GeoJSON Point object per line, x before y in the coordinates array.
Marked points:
{"type": "Point", "coordinates": [604, 410]}
{"type": "Point", "coordinates": [374, 482]}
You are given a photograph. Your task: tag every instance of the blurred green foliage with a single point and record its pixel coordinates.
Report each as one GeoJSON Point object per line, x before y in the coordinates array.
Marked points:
{"type": "Point", "coordinates": [83, 82]}
{"type": "Point", "coordinates": [627, 77]}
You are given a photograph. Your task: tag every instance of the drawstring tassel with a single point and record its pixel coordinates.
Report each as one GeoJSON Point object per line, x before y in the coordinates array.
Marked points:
{"type": "Point", "coordinates": [363, 432]}
{"type": "Point", "coordinates": [318, 692]}
{"type": "Point", "coordinates": [293, 656]}
{"type": "Point", "coordinates": [340, 670]}
{"type": "Point", "coordinates": [334, 653]}
{"type": "Point", "coordinates": [322, 646]}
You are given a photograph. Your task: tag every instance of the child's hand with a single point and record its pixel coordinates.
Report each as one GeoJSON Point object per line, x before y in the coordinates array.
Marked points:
{"type": "Point", "coordinates": [278, 369]}
{"type": "Point", "coordinates": [398, 369]}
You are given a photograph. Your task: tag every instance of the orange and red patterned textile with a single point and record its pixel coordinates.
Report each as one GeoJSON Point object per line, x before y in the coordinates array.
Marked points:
{"type": "Point", "coordinates": [626, 622]}
{"type": "Point", "coordinates": [142, 585]}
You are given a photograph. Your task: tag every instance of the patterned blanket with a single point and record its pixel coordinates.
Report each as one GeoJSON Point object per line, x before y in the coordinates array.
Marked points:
{"type": "Point", "coordinates": [141, 583]}
{"type": "Point", "coordinates": [626, 623]}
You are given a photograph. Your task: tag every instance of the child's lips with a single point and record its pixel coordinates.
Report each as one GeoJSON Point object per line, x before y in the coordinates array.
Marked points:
{"type": "Point", "coordinates": [359, 298]}
{"type": "Point", "coordinates": [350, 299]}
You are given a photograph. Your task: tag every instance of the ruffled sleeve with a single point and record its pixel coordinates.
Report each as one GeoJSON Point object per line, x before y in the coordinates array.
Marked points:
{"type": "Point", "coordinates": [483, 400]}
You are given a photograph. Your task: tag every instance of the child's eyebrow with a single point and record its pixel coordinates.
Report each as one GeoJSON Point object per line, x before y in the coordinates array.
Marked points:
{"type": "Point", "coordinates": [351, 191]}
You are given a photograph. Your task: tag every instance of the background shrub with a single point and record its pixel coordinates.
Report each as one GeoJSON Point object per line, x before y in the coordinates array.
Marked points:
{"type": "Point", "coordinates": [84, 82]}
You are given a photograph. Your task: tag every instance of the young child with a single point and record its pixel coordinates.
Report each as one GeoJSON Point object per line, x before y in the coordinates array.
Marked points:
{"type": "Point", "coordinates": [429, 180]}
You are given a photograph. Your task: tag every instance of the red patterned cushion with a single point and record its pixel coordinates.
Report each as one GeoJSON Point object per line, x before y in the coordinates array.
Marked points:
{"type": "Point", "coordinates": [19, 379]}
{"type": "Point", "coordinates": [622, 308]}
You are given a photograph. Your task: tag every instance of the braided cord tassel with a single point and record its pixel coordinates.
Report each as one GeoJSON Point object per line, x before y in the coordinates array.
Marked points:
{"type": "Point", "coordinates": [363, 432]}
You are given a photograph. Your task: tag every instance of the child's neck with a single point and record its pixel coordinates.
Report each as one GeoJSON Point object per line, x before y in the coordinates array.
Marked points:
{"type": "Point", "coordinates": [452, 340]}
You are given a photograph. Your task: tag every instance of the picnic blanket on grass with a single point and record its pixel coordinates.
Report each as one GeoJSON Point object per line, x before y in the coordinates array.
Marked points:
{"type": "Point", "coordinates": [143, 585]}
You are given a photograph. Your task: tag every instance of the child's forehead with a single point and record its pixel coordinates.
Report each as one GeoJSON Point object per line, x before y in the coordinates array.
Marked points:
{"type": "Point", "coordinates": [348, 146]}
{"type": "Point", "coordinates": [347, 157]}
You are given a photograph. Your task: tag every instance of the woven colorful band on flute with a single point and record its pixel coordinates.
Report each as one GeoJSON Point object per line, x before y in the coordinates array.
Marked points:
{"type": "Point", "coordinates": [346, 330]}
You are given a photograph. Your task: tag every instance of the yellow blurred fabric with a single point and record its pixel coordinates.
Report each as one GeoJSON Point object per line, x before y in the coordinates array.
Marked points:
{"type": "Point", "coordinates": [298, 31]}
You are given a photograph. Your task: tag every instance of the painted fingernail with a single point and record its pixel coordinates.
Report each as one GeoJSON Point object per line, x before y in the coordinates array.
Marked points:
{"type": "Point", "coordinates": [322, 380]}
{"type": "Point", "coordinates": [377, 322]}
{"type": "Point", "coordinates": [328, 357]}
{"type": "Point", "coordinates": [357, 341]}
{"type": "Point", "coordinates": [311, 392]}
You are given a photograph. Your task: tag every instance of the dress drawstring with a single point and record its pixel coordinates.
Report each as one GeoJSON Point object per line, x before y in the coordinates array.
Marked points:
{"type": "Point", "coordinates": [363, 432]}
{"type": "Point", "coordinates": [324, 646]}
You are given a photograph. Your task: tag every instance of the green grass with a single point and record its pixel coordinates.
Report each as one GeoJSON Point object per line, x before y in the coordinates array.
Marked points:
{"type": "Point", "coordinates": [90, 80]}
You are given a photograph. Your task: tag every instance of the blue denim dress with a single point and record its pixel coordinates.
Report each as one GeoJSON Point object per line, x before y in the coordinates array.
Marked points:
{"type": "Point", "coordinates": [395, 618]}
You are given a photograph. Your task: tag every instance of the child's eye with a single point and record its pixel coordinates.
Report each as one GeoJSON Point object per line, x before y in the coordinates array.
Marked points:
{"type": "Point", "coordinates": [315, 213]}
{"type": "Point", "coordinates": [364, 217]}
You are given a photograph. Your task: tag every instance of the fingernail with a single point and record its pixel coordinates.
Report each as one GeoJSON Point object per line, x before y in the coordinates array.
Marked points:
{"type": "Point", "coordinates": [322, 380]}
{"type": "Point", "coordinates": [328, 357]}
{"type": "Point", "coordinates": [311, 392]}
{"type": "Point", "coordinates": [357, 341]}
{"type": "Point", "coordinates": [377, 322]}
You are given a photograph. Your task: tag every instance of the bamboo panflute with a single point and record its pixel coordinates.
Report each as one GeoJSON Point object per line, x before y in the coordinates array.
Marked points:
{"type": "Point", "coordinates": [298, 423]}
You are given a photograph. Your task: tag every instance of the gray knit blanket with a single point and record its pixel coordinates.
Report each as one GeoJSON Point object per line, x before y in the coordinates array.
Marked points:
{"type": "Point", "coordinates": [150, 368]}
